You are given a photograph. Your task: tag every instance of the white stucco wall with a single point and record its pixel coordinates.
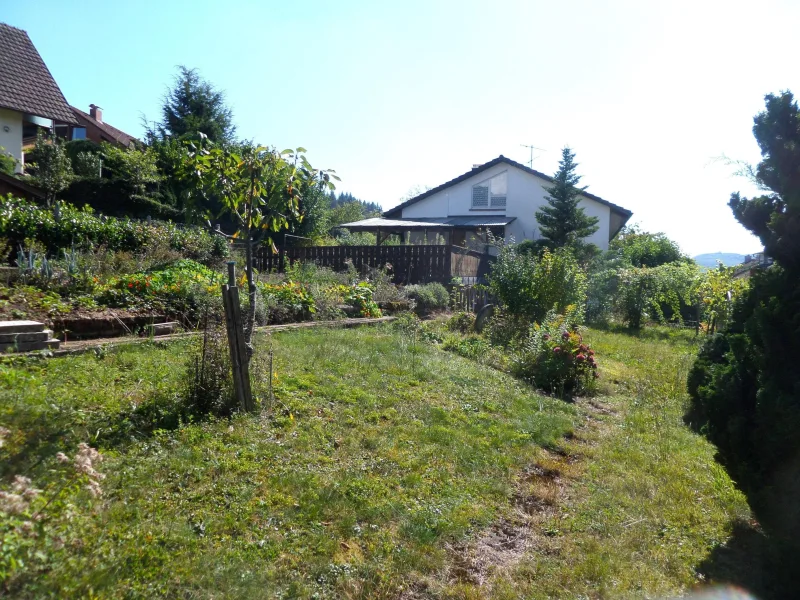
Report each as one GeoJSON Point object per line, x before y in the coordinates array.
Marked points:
{"type": "Point", "coordinates": [11, 140]}
{"type": "Point", "coordinates": [526, 194]}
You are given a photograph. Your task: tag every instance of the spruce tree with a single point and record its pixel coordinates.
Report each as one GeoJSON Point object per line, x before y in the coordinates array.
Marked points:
{"type": "Point", "coordinates": [193, 104]}
{"type": "Point", "coordinates": [563, 223]}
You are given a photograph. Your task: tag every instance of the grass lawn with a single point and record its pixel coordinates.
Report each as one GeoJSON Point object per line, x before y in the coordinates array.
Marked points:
{"type": "Point", "coordinates": [387, 468]}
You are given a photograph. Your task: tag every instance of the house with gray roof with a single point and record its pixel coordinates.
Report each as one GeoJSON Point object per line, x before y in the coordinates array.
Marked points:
{"type": "Point", "coordinates": [500, 196]}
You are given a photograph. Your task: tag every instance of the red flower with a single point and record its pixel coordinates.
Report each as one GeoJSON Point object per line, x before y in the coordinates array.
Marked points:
{"type": "Point", "coordinates": [591, 352]}
{"type": "Point", "coordinates": [583, 348]}
{"type": "Point", "coordinates": [557, 349]}
{"type": "Point", "coordinates": [580, 358]}
{"type": "Point", "coordinates": [565, 335]}
{"type": "Point", "coordinates": [130, 285]}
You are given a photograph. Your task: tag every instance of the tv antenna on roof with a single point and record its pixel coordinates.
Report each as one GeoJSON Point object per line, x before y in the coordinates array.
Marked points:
{"type": "Point", "coordinates": [532, 148]}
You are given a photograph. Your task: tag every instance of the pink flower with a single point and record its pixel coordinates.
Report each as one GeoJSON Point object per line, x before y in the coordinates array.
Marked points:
{"type": "Point", "coordinates": [580, 358]}
{"type": "Point", "coordinates": [565, 335]}
{"type": "Point", "coordinates": [557, 349]}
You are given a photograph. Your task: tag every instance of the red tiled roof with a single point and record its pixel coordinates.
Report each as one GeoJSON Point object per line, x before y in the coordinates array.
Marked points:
{"type": "Point", "coordinates": [115, 134]}
{"type": "Point", "coordinates": [26, 84]}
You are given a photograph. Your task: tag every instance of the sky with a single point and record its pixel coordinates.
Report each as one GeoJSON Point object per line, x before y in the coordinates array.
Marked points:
{"type": "Point", "coordinates": [401, 95]}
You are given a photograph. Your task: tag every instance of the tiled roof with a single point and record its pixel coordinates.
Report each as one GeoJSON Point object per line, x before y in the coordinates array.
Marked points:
{"type": "Point", "coordinates": [26, 84]}
{"type": "Point", "coordinates": [112, 132]}
{"type": "Point", "coordinates": [398, 210]}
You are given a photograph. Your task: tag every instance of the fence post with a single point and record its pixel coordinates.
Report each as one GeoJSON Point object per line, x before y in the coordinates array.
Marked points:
{"type": "Point", "coordinates": [236, 343]}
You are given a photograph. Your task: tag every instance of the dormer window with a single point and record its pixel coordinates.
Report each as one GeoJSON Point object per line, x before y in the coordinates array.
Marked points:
{"type": "Point", "coordinates": [490, 193]}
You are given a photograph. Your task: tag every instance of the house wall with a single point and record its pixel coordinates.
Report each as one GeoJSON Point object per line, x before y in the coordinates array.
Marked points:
{"type": "Point", "coordinates": [526, 194]}
{"type": "Point", "coordinates": [11, 140]}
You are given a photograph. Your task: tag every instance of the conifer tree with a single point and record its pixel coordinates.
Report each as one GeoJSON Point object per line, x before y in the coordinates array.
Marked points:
{"type": "Point", "coordinates": [562, 223]}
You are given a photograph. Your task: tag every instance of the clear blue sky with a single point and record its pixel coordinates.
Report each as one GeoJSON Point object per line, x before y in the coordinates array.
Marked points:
{"type": "Point", "coordinates": [403, 94]}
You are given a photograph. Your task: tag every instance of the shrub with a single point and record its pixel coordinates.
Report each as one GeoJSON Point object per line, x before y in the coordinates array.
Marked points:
{"type": "Point", "coordinates": [429, 297]}
{"type": "Point", "coordinates": [554, 357]}
{"type": "Point", "coordinates": [462, 322]}
{"type": "Point", "coordinates": [660, 293]}
{"type": "Point", "coordinates": [530, 286]}
{"type": "Point", "coordinates": [360, 297]}
{"type": "Point", "coordinates": [68, 227]}
{"type": "Point", "coordinates": [288, 301]}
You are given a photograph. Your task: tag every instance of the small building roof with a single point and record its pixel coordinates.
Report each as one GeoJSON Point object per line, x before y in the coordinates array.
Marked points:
{"type": "Point", "coordinates": [398, 210]}
{"type": "Point", "coordinates": [113, 133]}
{"type": "Point", "coordinates": [26, 84]}
{"type": "Point", "coordinates": [431, 223]}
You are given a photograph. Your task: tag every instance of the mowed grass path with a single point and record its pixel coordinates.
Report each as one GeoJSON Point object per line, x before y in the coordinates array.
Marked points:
{"type": "Point", "coordinates": [378, 455]}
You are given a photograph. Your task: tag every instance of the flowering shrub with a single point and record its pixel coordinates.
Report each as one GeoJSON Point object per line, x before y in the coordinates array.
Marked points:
{"type": "Point", "coordinates": [554, 356]}
{"type": "Point", "coordinates": [360, 297]}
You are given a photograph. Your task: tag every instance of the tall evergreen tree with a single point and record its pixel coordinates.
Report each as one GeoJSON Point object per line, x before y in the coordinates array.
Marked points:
{"type": "Point", "coordinates": [563, 223]}
{"type": "Point", "coordinates": [194, 104]}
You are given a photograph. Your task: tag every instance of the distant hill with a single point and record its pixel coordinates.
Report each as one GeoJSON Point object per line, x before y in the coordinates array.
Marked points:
{"type": "Point", "coordinates": [728, 259]}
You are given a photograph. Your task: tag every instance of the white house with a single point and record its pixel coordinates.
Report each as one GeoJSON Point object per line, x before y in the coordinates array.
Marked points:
{"type": "Point", "coordinates": [30, 99]}
{"type": "Point", "coordinates": [501, 196]}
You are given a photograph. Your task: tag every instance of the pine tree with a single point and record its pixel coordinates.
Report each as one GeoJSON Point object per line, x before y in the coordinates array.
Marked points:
{"type": "Point", "coordinates": [563, 223]}
{"type": "Point", "coordinates": [194, 104]}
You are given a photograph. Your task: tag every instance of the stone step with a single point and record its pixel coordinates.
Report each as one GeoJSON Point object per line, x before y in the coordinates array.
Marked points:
{"type": "Point", "coordinates": [156, 329]}
{"type": "Point", "coordinates": [16, 338]}
{"type": "Point", "coordinates": [30, 346]}
{"type": "Point", "coordinates": [20, 327]}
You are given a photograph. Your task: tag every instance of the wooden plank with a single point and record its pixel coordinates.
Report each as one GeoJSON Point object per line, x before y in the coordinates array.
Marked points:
{"type": "Point", "coordinates": [233, 346]}
{"type": "Point", "coordinates": [244, 366]}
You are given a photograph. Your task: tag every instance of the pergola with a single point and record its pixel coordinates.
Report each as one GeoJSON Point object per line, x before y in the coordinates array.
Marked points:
{"type": "Point", "coordinates": [453, 229]}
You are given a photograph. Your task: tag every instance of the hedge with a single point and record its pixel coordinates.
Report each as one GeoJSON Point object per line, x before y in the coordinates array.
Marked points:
{"type": "Point", "coordinates": [65, 226]}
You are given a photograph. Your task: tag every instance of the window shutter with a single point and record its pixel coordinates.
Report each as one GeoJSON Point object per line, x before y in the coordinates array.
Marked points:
{"type": "Point", "coordinates": [480, 196]}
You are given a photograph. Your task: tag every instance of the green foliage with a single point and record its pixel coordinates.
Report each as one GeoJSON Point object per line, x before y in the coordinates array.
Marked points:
{"type": "Point", "coordinates": [563, 223]}
{"type": "Point", "coordinates": [658, 294]}
{"type": "Point", "coordinates": [745, 385]}
{"type": "Point", "coordinates": [292, 300]}
{"type": "Point", "coordinates": [194, 105]}
{"type": "Point", "coordinates": [461, 322]}
{"type": "Point", "coordinates": [555, 358]}
{"type": "Point", "coordinates": [715, 292]}
{"type": "Point", "coordinates": [8, 163]}
{"type": "Point", "coordinates": [529, 286]}
{"type": "Point", "coordinates": [68, 227]}
{"type": "Point", "coordinates": [428, 297]}
{"type": "Point", "coordinates": [360, 297]}
{"type": "Point", "coordinates": [50, 167]}
{"type": "Point", "coordinates": [643, 249]}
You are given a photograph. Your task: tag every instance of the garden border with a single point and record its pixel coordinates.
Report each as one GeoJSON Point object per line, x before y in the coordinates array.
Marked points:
{"type": "Point", "coordinates": [83, 346]}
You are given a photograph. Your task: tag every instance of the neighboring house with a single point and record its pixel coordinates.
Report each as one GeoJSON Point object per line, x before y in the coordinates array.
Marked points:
{"type": "Point", "coordinates": [30, 99]}
{"type": "Point", "coordinates": [92, 127]}
{"type": "Point", "coordinates": [501, 196]}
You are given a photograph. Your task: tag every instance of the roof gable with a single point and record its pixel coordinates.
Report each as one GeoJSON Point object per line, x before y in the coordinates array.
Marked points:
{"type": "Point", "coordinates": [115, 134]}
{"type": "Point", "coordinates": [26, 84]}
{"type": "Point", "coordinates": [398, 210]}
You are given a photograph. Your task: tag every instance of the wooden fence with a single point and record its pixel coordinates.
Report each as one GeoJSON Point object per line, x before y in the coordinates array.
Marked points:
{"type": "Point", "coordinates": [409, 264]}
{"type": "Point", "coordinates": [470, 299]}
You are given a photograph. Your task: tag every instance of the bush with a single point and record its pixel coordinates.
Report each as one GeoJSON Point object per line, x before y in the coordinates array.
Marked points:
{"type": "Point", "coordinates": [745, 384]}
{"type": "Point", "coordinates": [359, 296]}
{"type": "Point", "coordinates": [209, 388]}
{"type": "Point", "coordinates": [554, 358]}
{"type": "Point", "coordinates": [288, 301]}
{"type": "Point", "coordinates": [429, 297]}
{"type": "Point", "coordinates": [66, 227]}
{"type": "Point", "coordinates": [462, 322]}
{"type": "Point", "coordinates": [530, 286]}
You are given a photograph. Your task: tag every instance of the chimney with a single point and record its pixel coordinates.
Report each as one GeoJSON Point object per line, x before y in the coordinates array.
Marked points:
{"type": "Point", "coordinates": [96, 113]}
